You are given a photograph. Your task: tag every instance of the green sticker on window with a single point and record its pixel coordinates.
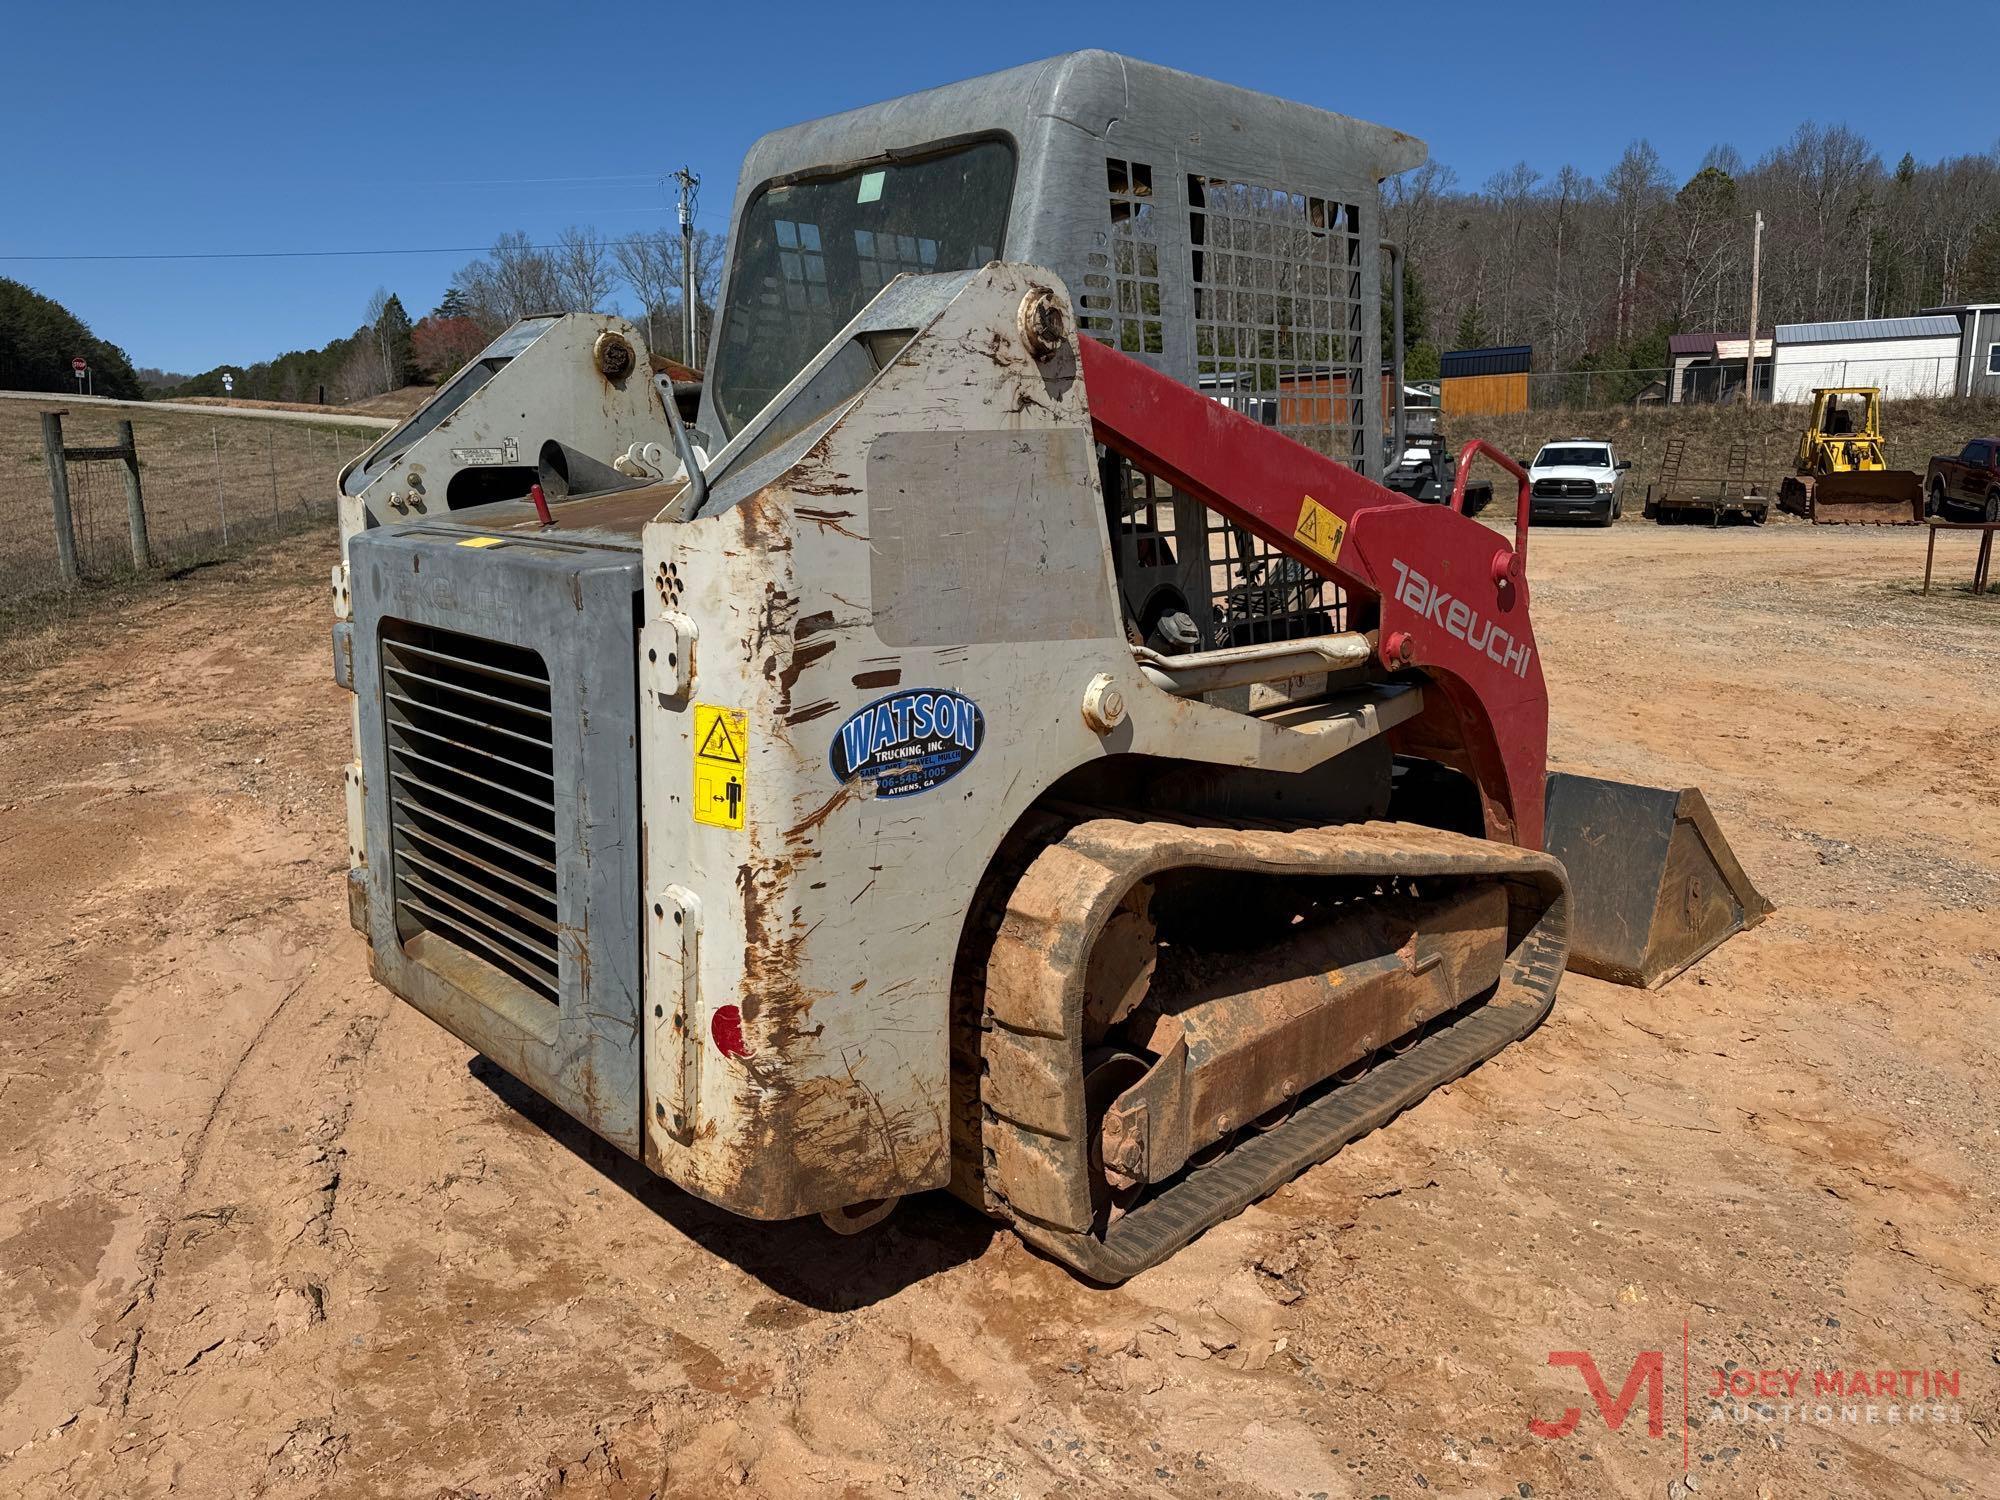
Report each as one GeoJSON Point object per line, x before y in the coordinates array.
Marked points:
{"type": "Point", "coordinates": [871, 187]}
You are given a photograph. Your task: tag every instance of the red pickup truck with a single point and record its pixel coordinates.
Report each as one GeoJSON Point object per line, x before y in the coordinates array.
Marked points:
{"type": "Point", "coordinates": [1966, 483]}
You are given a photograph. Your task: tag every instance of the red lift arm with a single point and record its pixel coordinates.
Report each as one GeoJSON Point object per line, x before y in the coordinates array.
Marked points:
{"type": "Point", "coordinates": [1450, 597]}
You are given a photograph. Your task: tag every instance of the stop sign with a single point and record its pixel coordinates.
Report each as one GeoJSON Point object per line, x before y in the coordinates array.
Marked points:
{"type": "Point", "coordinates": [79, 364]}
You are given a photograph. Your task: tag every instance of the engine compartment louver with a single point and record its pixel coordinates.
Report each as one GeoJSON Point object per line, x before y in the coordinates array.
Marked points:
{"type": "Point", "coordinates": [472, 808]}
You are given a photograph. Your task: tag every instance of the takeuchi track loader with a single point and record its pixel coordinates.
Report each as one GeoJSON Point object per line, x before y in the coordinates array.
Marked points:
{"type": "Point", "coordinates": [1009, 743]}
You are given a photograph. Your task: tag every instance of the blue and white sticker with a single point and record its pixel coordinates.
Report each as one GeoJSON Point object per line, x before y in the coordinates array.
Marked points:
{"type": "Point", "coordinates": [908, 742]}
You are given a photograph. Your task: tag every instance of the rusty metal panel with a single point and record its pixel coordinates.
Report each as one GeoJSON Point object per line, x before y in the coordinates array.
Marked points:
{"type": "Point", "coordinates": [831, 917]}
{"type": "Point", "coordinates": [1233, 1044]}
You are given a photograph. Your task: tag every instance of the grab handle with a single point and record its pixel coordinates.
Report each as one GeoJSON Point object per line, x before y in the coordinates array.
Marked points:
{"type": "Point", "coordinates": [1506, 565]}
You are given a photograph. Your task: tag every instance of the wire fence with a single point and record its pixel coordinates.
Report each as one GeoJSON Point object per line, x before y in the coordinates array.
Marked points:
{"type": "Point", "coordinates": [209, 484]}
{"type": "Point", "coordinates": [1709, 382]}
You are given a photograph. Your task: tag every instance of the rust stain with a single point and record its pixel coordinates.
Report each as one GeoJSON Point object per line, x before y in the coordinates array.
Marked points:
{"type": "Point", "coordinates": [802, 658]}
{"type": "Point", "coordinates": [811, 711]}
{"type": "Point", "coordinates": [810, 1139]}
{"type": "Point", "coordinates": [774, 619]}
{"type": "Point", "coordinates": [762, 518]}
{"type": "Point", "coordinates": [826, 488]}
{"type": "Point", "coordinates": [826, 810]}
{"type": "Point", "coordinates": [829, 520]}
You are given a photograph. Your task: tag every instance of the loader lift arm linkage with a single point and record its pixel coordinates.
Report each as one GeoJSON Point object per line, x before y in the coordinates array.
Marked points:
{"type": "Point", "coordinates": [1448, 597]}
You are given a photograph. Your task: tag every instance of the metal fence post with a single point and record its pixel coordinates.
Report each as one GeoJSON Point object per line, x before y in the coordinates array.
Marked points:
{"type": "Point", "coordinates": [135, 501]}
{"type": "Point", "coordinates": [221, 505]}
{"type": "Point", "coordinates": [52, 445]}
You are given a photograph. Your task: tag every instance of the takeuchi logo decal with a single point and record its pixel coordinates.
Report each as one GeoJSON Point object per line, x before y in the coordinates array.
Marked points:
{"type": "Point", "coordinates": [908, 742]}
{"type": "Point", "coordinates": [1461, 619]}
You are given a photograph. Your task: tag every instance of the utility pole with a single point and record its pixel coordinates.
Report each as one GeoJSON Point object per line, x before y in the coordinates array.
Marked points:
{"type": "Point", "coordinates": [1750, 358]}
{"type": "Point", "coordinates": [690, 184]}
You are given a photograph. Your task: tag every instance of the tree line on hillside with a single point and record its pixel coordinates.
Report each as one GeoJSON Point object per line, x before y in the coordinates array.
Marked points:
{"type": "Point", "coordinates": [582, 272]}
{"type": "Point", "coordinates": [378, 356]}
{"type": "Point", "coordinates": [38, 339]}
{"type": "Point", "coordinates": [1595, 273]}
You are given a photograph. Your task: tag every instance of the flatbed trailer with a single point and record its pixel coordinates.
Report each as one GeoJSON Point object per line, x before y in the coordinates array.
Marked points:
{"type": "Point", "coordinates": [1713, 506]}
{"type": "Point", "coordinates": [1676, 498]}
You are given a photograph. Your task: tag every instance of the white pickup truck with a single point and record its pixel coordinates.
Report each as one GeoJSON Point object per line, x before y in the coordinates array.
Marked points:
{"type": "Point", "coordinates": [1576, 477]}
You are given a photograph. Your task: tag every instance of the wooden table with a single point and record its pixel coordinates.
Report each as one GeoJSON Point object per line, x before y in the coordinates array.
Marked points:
{"type": "Point", "coordinates": [1982, 567]}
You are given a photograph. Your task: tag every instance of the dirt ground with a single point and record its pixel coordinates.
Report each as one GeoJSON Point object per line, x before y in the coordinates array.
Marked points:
{"type": "Point", "coordinates": [266, 1231]}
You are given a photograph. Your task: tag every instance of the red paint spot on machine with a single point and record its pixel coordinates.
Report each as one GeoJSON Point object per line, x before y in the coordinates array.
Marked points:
{"type": "Point", "coordinates": [727, 1029]}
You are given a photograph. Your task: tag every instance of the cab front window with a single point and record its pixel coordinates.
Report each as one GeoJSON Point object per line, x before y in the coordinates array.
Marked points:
{"type": "Point", "coordinates": [811, 254]}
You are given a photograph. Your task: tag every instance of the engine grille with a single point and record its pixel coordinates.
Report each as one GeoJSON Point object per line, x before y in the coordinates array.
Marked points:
{"type": "Point", "coordinates": [1566, 489]}
{"type": "Point", "coordinates": [472, 797]}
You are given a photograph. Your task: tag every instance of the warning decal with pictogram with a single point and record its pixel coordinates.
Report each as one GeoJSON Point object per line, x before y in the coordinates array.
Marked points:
{"type": "Point", "coordinates": [1320, 529]}
{"type": "Point", "coordinates": [721, 759]}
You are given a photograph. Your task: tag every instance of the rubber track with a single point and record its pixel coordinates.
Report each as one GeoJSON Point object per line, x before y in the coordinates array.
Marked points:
{"type": "Point", "coordinates": [1036, 1157]}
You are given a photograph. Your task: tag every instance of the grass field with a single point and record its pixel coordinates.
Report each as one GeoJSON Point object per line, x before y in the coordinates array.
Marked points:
{"type": "Point", "coordinates": [208, 481]}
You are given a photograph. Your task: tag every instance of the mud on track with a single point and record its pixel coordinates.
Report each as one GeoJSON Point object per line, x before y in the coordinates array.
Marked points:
{"type": "Point", "coordinates": [266, 1231]}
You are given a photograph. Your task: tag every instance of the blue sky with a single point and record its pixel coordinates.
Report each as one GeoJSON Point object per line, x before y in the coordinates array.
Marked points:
{"type": "Point", "coordinates": [281, 127]}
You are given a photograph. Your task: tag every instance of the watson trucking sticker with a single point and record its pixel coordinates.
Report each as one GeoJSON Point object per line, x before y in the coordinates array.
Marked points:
{"type": "Point", "coordinates": [908, 742]}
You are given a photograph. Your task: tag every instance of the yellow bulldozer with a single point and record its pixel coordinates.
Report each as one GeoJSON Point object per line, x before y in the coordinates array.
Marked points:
{"type": "Point", "coordinates": [1840, 474]}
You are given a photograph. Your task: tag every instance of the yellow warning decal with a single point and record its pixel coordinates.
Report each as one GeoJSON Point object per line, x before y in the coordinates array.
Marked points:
{"type": "Point", "coordinates": [721, 765]}
{"type": "Point", "coordinates": [1320, 529]}
{"type": "Point", "coordinates": [482, 541]}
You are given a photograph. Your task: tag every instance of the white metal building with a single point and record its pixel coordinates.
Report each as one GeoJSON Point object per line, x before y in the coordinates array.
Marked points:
{"type": "Point", "coordinates": [1979, 363]}
{"type": "Point", "coordinates": [1904, 356]}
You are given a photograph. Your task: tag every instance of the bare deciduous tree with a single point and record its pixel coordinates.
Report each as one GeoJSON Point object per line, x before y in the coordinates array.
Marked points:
{"type": "Point", "coordinates": [1566, 322]}
{"type": "Point", "coordinates": [1637, 190]}
{"type": "Point", "coordinates": [1512, 194]}
{"type": "Point", "coordinates": [360, 374]}
{"type": "Point", "coordinates": [650, 262]}
{"type": "Point", "coordinates": [515, 280]}
{"type": "Point", "coordinates": [1699, 229]}
{"type": "Point", "coordinates": [583, 275]}
{"type": "Point", "coordinates": [1593, 271]}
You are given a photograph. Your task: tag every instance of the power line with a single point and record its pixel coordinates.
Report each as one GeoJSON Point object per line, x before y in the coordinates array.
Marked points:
{"type": "Point", "coordinates": [513, 181]}
{"type": "Point", "coordinates": [270, 254]}
{"type": "Point", "coordinates": [275, 254]}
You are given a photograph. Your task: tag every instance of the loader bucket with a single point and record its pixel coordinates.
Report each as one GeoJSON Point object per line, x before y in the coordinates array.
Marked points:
{"type": "Point", "coordinates": [1877, 497]}
{"type": "Point", "coordinates": [1653, 884]}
